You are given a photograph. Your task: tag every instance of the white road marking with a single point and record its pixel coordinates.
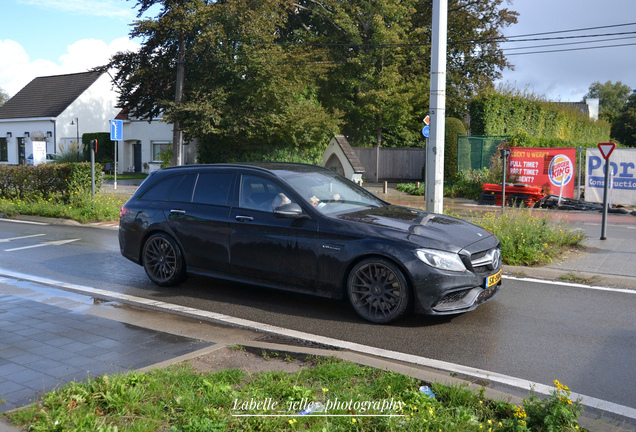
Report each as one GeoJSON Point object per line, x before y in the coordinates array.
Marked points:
{"type": "Point", "coordinates": [19, 238]}
{"type": "Point", "coordinates": [570, 284]}
{"type": "Point", "coordinates": [24, 222]}
{"type": "Point", "coordinates": [49, 243]}
{"type": "Point", "coordinates": [365, 349]}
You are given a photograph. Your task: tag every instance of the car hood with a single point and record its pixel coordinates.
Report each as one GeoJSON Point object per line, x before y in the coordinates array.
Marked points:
{"type": "Point", "coordinates": [422, 228]}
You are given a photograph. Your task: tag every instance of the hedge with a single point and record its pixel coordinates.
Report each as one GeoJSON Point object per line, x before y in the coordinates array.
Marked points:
{"type": "Point", "coordinates": [65, 181]}
{"type": "Point", "coordinates": [494, 113]}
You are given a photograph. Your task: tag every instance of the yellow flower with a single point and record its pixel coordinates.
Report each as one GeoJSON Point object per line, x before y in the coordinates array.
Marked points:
{"type": "Point", "coordinates": [353, 420]}
{"type": "Point", "coordinates": [325, 390]}
{"type": "Point", "coordinates": [292, 421]}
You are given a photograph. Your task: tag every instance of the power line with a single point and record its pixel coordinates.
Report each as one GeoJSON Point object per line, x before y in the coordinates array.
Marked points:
{"type": "Point", "coordinates": [573, 30]}
{"type": "Point", "coordinates": [568, 43]}
{"type": "Point", "coordinates": [571, 49]}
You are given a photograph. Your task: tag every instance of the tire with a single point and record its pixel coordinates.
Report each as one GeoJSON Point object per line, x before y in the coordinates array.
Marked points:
{"type": "Point", "coordinates": [378, 291]}
{"type": "Point", "coordinates": [163, 260]}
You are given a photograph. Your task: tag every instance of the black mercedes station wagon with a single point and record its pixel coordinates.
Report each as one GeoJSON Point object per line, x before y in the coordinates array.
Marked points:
{"type": "Point", "coordinates": [305, 228]}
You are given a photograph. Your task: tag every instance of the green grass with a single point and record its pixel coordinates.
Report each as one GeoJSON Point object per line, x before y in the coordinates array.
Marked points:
{"type": "Point", "coordinates": [138, 176]}
{"type": "Point", "coordinates": [359, 399]}
{"type": "Point", "coordinates": [105, 207]}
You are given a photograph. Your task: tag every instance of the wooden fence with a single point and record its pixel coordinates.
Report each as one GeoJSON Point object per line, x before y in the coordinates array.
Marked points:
{"type": "Point", "coordinates": [394, 163]}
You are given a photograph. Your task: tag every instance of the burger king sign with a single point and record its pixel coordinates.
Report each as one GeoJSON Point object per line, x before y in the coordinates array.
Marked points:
{"type": "Point", "coordinates": [560, 170]}
{"type": "Point", "coordinates": [551, 169]}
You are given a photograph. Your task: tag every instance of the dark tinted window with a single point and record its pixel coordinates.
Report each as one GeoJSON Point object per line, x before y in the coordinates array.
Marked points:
{"type": "Point", "coordinates": [213, 188]}
{"type": "Point", "coordinates": [162, 190]}
{"type": "Point", "coordinates": [184, 191]}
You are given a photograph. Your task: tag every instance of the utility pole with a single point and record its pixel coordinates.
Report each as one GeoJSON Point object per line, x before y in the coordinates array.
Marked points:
{"type": "Point", "coordinates": [435, 146]}
{"type": "Point", "coordinates": [177, 134]}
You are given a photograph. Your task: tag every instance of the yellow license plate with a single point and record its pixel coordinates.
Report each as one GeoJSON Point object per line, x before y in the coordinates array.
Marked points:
{"type": "Point", "coordinates": [493, 280]}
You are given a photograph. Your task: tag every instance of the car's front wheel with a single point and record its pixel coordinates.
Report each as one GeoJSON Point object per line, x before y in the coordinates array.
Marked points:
{"type": "Point", "coordinates": [163, 260]}
{"type": "Point", "coordinates": [378, 290]}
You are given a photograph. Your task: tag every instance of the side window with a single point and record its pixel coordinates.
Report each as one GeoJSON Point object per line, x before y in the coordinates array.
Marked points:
{"type": "Point", "coordinates": [184, 191]}
{"type": "Point", "coordinates": [162, 190]}
{"type": "Point", "coordinates": [258, 193]}
{"type": "Point", "coordinates": [213, 188]}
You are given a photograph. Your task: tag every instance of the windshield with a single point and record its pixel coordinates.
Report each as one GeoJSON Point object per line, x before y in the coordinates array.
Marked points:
{"type": "Point", "coordinates": [331, 193]}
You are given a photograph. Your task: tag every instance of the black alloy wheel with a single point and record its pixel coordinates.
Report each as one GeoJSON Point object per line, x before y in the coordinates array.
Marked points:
{"type": "Point", "coordinates": [378, 290]}
{"type": "Point", "coordinates": [163, 260]}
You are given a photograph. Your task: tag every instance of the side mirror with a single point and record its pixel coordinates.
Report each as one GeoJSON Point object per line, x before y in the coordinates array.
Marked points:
{"type": "Point", "coordinates": [289, 211]}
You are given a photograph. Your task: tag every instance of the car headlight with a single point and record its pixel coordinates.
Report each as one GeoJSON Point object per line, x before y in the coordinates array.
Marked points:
{"type": "Point", "coordinates": [441, 260]}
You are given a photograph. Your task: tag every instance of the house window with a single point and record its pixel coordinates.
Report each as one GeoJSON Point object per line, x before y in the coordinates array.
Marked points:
{"type": "Point", "coordinates": [158, 147]}
{"type": "Point", "coordinates": [4, 152]}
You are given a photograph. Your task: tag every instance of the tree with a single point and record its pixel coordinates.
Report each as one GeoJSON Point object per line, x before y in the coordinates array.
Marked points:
{"type": "Point", "coordinates": [3, 96]}
{"type": "Point", "coordinates": [374, 78]}
{"type": "Point", "coordinates": [612, 98]}
{"type": "Point", "coordinates": [244, 94]}
{"type": "Point", "coordinates": [474, 57]}
{"type": "Point", "coordinates": [380, 52]}
{"type": "Point", "coordinates": [277, 78]}
{"type": "Point", "coordinates": [624, 125]}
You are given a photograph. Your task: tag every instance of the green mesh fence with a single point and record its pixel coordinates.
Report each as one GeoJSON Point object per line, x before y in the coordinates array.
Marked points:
{"type": "Point", "coordinates": [474, 152]}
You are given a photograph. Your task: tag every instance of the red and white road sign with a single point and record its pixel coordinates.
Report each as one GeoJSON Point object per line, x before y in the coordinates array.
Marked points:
{"type": "Point", "coordinates": [606, 149]}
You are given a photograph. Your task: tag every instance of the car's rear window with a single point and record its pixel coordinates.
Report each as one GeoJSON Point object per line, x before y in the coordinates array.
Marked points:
{"type": "Point", "coordinates": [162, 190]}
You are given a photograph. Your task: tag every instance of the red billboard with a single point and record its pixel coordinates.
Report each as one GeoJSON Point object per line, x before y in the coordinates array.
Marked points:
{"type": "Point", "coordinates": [548, 168]}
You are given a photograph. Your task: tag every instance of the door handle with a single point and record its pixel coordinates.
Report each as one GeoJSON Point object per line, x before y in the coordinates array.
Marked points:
{"type": "Point", "coordinates": [244, 218]}
{"type": "Point", "coordinates": [177, 212]}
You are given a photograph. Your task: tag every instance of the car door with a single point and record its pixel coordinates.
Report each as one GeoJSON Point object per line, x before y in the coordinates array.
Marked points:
{"type": "Point", "coordinates": [198, 212]}
{"type": "Point", "coordinates": [267, 248]}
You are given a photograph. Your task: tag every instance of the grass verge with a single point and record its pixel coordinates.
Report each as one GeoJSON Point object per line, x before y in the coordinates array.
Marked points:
{"type": "Point", "coordinates": [355, 398]}
{"type": "Point", "coordinates": [528, 237]}
{"type": "Point", "coordinates": [105, 207]}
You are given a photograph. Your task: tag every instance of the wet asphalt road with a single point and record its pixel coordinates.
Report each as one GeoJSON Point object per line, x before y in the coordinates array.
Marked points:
{"type": "Point", "coordinates": [538, 332]}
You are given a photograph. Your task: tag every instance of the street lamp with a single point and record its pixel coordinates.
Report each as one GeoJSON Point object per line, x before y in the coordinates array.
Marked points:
{"type": "Point", "coordinates": [75, 122]}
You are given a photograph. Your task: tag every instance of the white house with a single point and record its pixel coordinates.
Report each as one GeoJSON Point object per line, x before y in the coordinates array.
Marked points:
{"type": "Point", "coordinates": [59, 109]}
{"type": "Point", "coordinates": [143, 141]}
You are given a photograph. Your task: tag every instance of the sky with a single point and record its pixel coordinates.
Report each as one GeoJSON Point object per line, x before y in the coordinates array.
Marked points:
{"type": "Point", "coordinates": [52, 37]}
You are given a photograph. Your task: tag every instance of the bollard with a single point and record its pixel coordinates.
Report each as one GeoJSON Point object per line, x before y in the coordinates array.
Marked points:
{"type": "Point", "coordinates": [386, 187]}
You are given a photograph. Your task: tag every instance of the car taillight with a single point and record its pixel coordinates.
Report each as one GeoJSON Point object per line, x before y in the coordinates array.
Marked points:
{"type": "Point", "coordinates": [123, 211]}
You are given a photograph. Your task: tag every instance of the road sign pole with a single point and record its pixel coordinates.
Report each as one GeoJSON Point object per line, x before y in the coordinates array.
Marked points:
{"type": "Point", "coordinates": [606, 187]}
{"type": "Point", "coordinates": [116, 145]}
{"type": "Point", "coordinates": [116, 135]}
{"type": "Point", "coordinates": [606, 150]}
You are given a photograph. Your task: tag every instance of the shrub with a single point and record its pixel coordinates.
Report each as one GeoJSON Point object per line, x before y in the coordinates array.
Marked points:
{"type": "Point", "coordinates": [454, 128]}
{"type": "Point", "coordinates": [64, 181]}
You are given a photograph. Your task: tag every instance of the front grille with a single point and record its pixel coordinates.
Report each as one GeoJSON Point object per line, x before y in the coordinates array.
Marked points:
{"type": "Point", "coordinates": [482, 262]}
{"type": "Point", "coordinates": [452, 298]}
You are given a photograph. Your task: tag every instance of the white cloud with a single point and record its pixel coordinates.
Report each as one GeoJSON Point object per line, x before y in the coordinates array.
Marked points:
{"type": "Point", "coordinates": [79, 57]}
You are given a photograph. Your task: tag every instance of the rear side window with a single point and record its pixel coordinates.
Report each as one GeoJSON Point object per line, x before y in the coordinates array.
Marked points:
{"type": "Point", "coordinates": [184, 191]}
{"type": "Point", "coordinates": [162, 190]}
{"type": "Point", "coordinates": [213, 188]}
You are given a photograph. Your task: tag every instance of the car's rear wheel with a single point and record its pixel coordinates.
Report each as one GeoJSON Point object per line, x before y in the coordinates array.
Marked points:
{"type": "Point", "coordinates": [163, 260]}
{"type": "Point", "coordinates": [378, 290]}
